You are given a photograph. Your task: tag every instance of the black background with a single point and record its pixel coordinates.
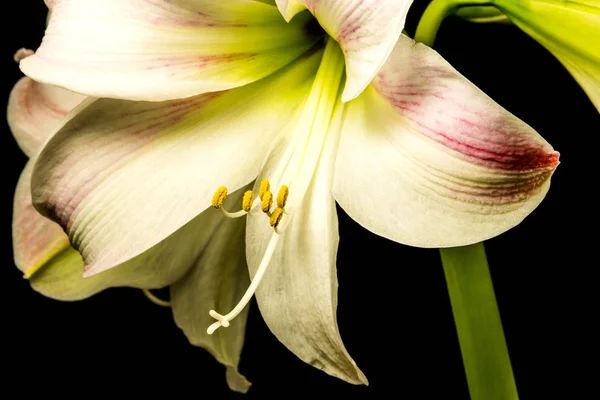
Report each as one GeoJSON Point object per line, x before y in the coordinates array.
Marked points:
{"type": "Point", "coordinates": [394, 313]}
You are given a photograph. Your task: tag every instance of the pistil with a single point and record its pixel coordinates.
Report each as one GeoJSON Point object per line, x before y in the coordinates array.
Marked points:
{"type": "Point", "coordinates": [296, 169]}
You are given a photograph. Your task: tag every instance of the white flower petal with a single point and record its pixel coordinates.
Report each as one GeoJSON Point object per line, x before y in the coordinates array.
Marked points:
{"type": "Point", "coordinates": [365, 29]}
{"type": "Point", "coordinates": [34, 110]}
{"type": "Point", "coordinates": [121, 176]}
{"type": "Point", "coordinates": [429, 160]}
{"type": "Point", "coordinates": [42, 251]}
{"type": "Point", "coordinates": [36, 239]}
{"type": "Point", "coordinates": [163, 49]}
{"type": "Point", "coordinates": [217, 281]}
{"type": "Point", "coordinates": [298, 293]}
{"type": "Point", "coordinates": [41, 248]}
{"type": "Point", "coordinates": [60, 277]}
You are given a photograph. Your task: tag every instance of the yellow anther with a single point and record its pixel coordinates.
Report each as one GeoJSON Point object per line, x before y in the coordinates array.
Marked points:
{"type": "Point", "coordinates": [265, 186]}
{"type": "Point", "coordinates": [267, 201]}
{"type": "Point", "coordinates": [247, 201]}
{"type": "Point", "coordinates": [282, 196]}
{"type": "Point", "coordinates": [219, 197]}
{"type": "Point", "coordinates": [276, 217]}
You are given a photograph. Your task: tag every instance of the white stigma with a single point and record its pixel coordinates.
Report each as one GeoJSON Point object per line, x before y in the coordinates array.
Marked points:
{"type": "Point", "coordinates": [223, 320]}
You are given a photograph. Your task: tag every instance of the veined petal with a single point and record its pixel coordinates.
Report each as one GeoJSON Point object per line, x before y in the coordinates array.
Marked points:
{"type": "Point", "coordinates": [217, 281]}
{"type": "Point", "coordinates": [163, 49]}
{"type": "Point", "coordinates": [60, 276]}
{"type": "Point", "coordinates": [121, 176]}
{"type": "Point", "coordinates": [34, 110]}
{"type": "Point", "coordinates": [569, 30]}
{"type": "Point", "coordinates": [429, 160]}
{"type": "Point", "coordinates": [37, 240]}
{"type": "Point", "coordinates": [297, 296]}
{"type": "Point", "coordinates": [366, 30]}
{"type": "Point", "coordinates": [42, 250]}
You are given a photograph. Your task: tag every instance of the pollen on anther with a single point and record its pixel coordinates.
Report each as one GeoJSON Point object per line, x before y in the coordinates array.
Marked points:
{"type": "Point", "coordinates": [265, 186]}
{"type": "Point", "coordinates": [282, 196]}
{"type": "Point", "coordinates": [219, 197]}
{"type": "Point", "coordinates": [267, 201]}
{"type": "Point", "coordinates": [247, 201]}
{"type": "Point", "coordinates": [276, 217]}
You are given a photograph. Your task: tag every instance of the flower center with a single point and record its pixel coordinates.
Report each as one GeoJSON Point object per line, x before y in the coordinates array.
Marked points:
{"type": "Point", "coordinates": [293, 170]}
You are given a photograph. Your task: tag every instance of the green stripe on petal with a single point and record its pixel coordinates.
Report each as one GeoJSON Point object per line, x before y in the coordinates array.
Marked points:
{"type": "Point", "coordinates": [427, 159]}
{"type": "Point", "coordinates": [366, 30]}
{"type": "Point", "coordinates": [162, 50]}
{"type": "Point", "coordinates": [121, 176]}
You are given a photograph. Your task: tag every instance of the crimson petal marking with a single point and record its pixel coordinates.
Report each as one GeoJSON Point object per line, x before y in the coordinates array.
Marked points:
{"type": "Point", "coordinates": [451, 166]}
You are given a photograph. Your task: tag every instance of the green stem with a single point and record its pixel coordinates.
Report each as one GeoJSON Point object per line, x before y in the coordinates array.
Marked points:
{"type": "Point", "coordinates": [480, 334]}
{"type": "Point", "coordinates": [435, 13]}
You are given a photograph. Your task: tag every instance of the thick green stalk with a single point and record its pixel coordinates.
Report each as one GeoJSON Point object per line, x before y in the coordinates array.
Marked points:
{"type": "Point", "coordinates": [476, 315]}
{"type": "Point", "coordinates": [435, 13]}
{"type": "Point", "coordinates": [477, 319]}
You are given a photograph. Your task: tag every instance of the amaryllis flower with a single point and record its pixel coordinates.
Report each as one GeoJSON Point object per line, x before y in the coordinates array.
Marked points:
{"type": "Point", "coordinates": [201, 98]}
{"type": "Point", "coordinates": [568, 29]}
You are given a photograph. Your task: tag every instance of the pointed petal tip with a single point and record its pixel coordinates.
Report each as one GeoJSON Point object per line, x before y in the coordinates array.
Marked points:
{"type": "Point", "coordinates": [555, 159]}
{"type": "Point", "coordinates": [350, 94]}
{"type": "Point", "coordinates": [90, 270]}
{"type": "Point", "coordinates": [236, 381]}
{"type": "Point", "coordinates": [361, 376]}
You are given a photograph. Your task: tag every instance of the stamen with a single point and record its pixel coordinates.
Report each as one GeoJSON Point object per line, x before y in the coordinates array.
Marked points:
{"type": "Point", "coordinates": [282, 196]}
{"type": "Point", "coordinates": [247, 201]}
{"type": "Point", "coordinates": [265, 186]}
{"type": "Point", "coordinates": [236, 214]}
{"type": "Point", "coordinates": [22, 53]}
{"type": "Point", "coordinates": [223, 320]}
{"type": "Point", "coordinates": [276, 217]}
{"type": "Point", "coordinates": [219, 196]}
{"type": "Point", "coordinates": [156, 300]}
{"type": "Point", "coordinates": [267, 201]}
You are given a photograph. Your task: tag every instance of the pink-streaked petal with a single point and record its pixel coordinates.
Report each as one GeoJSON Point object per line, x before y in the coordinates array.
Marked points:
{"type": "Point", "coordinates": [34, 110]}
{"type": "Point", "coordinates": [365, 29]}
{"type": "Point", "coordinates": [121, 176]}
{"type": "Point", "coordinates": [43, 253]}
{"type": "Point", "coordinates": [61, 277]}
{"type": "Point", "coordinates": [159, 50]}
{"type": "Point", "coordinates": [36, 239]}
{"type": "Point", "coordinates": [429, 160]}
